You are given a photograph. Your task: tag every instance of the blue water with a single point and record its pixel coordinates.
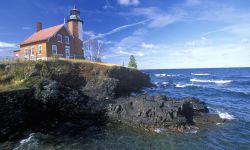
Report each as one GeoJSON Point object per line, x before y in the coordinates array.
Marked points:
{"type": "Point", "coordinates": [226, 91]}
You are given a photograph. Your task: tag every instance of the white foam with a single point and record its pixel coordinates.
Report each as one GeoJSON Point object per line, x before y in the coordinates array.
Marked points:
{"type": "Point", "coordinates": [30, 143]}
{"type": "Point", "coordinates": [164, 75]}
{"type": "Point", "coordinates": [183, 85]}
{"type": "Point", "coordinates": [193, 131]}
{"type": "Point", "coordinates": [225, 115]}
{"type": "Point", "coordinates": [164, 83]}
{"type": "Point", "coordinates": [159, 130]}
{"type": "Point", "coordinates": [28, 139]}
{"type": "Point", "coordinates": [160, 75]}
{"type": "Point", "coordinates": [156, 83]}
{"type": "Point", "coordinates": [200, 74]}
{"type": "Point", "coordinates": [172, 75]}
{"type": "Point", "coordinates": [219, 124]}
{"type": "Point", "coordinates": [211, 81]}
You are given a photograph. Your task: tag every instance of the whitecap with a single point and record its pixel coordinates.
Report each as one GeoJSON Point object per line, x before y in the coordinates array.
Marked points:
{"type": "Point", "coordinates": [156, 83]}
{"type": "Point", "coordinates": [225, 115]}
{"type": "Point", "coordinates": [164, 83]}
{"type": "Point", "coordinates": [211, 81]}
{"type": "Point", "coordinates": [183, 85]}
{"type": "Point", "coordinates": [160, 75]}
{"type": "Point", "coordinates": [200, 74]}
{"type": "Point", "coordinates": [171, 75]}
{"type": "Point", "coordinates": [166, 75]}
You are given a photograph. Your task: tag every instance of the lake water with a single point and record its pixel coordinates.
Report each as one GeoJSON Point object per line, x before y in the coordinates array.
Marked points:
{"type": "Point", "coordinates": [226, 91]}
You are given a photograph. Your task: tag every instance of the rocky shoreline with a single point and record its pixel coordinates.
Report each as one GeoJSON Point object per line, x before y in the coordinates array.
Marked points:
{"type": "Point", "coordinates": [80, 95]}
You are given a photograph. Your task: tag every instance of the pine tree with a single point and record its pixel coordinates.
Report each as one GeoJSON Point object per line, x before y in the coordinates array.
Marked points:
{"type": "Point", "coordinates": [132, 62]}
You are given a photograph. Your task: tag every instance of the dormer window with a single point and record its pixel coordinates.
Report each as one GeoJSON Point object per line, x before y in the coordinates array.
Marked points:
{"type": "Point", "coordinates": [59, 38]}
{"type": "Point", "coordinates": [66, 39]}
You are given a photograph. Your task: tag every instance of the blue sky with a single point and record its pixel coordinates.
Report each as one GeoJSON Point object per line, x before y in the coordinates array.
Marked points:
{"type": "Point", "coordinates": [160, 33]}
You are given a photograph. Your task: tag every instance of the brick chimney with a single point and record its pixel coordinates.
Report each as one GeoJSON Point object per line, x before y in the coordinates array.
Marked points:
{"type": "Point", "coordinates": [38, 26]}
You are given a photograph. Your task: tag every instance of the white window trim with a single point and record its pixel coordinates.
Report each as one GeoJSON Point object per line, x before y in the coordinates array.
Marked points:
{"type": "Point", "coordinates": [40, 50]}
{"type": "Point", "coordinates": [61, 38]}
{"type": "Point", "coordinates": [66, 41]}
{"type": "Point", "coordinates": [55, 49]}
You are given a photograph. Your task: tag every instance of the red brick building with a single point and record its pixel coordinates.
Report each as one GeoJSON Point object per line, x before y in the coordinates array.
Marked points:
{"type": "Point", "coordinates": [64, 40]}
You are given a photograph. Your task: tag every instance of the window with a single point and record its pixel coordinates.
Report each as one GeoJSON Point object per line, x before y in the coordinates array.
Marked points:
{"type": "Point", "coordinates": [59, 38]}
{"type": "Point", "coordinates": [66, 39]}
{"type": "Point", "coordinates": [25, 52]}
{"type": "Point", "coordinates": [67, 51]}
{"type": "Point", "coordinates": [40, 49]}
{"type": "Point", "coordinates": [54, 50]}
{"type": "Point", "coordinates": [32, 51]}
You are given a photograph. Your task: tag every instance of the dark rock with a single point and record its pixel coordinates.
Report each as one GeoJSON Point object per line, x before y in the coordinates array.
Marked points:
{"type": "Point", "coordinates": [160, 112]}
{"type": "Point", "coordinates": [207, 119]}
{"type": "Point", "coordinates": [197, 105]}
{"type": "Point", "coordinates": [101, 89]}
{"type": "Point", "coordinates": [130, 80]}
{"type": "Point", "coordinates": [35, 71]}
{"type": "Point", "coordinates": [57, 98]}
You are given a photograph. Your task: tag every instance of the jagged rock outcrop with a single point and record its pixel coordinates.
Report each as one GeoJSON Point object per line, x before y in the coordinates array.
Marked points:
{"type": "Point", "coordinates": [161, 112]}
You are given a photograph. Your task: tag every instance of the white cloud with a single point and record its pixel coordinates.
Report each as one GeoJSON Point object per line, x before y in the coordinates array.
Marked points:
{"type": "Point", "coordinates": [201, 41]}
{"type": "Point", "coordinates": [245, 41]}
{"type": "Point", "coordinates": [121, 51]}
{"type": "Point", "coordinates": [8, 45]}
{"type": "Point", "coordinates": [129, 2]}
{"type": "Point", "coordinates": [115, 30]}
{"type": "Point", "coordinates": [237, 29]}
{"type": "Point", "coordinates": [157, 17]}
{"type": "Point", "coordinates": [148, 46]}
{"type": "Point", "coordinates": [89, 33]}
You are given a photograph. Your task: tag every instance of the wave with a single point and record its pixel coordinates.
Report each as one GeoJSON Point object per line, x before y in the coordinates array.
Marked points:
{"type": "Point", "coordinates": [200, 74]}
{"type": "Point", "coordinates": [156, 83]}
{"type": "Point", "coordinates": [164, 83]}
{"type": "Point", "coordinates": [225, 115]}
{"type": "Point", "coordinates": [30, 143]}
{"type": "Point", "coordinates": [183, 85]}
{"type": "Point", "coordinates": [172, 75]}
{"type": "Point", "coordinates": [211, 81]}
{"type": "Point", "coordinates": [160, 75]}
{"type": "Point", "coordinates": [166, 75]}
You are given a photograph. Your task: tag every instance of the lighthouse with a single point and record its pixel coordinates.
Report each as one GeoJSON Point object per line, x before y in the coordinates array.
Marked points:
{"type": "Point", "coordinates": [75, 27]}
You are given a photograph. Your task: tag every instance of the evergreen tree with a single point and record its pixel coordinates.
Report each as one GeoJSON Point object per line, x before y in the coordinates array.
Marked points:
{"type": "Point", "coordinates": [132, 62]}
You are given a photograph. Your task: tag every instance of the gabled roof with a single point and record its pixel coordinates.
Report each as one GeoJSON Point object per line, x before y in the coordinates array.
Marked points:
{"type": "Point", "coordinates": [42, 34]}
